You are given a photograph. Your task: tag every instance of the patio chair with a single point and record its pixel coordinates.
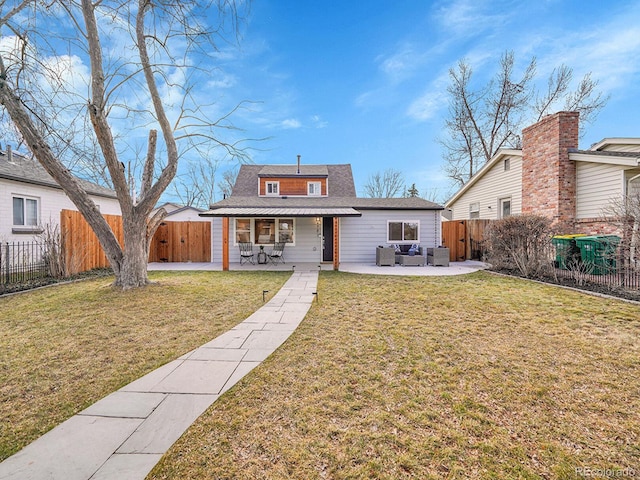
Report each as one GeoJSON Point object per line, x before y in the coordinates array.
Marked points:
{"type": "Point", "coordinates": [246, 252]}
{"type": "Point", "coordinates": [277, 254]}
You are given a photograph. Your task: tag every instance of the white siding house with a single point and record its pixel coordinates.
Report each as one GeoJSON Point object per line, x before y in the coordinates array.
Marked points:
{"type": "Point", "coordinates": [30, 199]}
{"type": "Point", "coordinates": [486, 196]}
{"type": "Point", "coordinates": [573, 186]}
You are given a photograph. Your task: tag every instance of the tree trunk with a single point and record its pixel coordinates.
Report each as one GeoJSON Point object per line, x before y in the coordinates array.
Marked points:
{"type": "Point", "coordinates": [133, 266]}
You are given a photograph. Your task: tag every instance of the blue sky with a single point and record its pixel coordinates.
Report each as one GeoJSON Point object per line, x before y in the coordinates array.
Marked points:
{"type": "Point", "coordinates": [365, 82]}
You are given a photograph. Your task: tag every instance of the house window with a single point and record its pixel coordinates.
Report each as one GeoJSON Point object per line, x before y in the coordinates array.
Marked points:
{"type": "Point", "coordinates": [285, 230]}
{"type": "Point", "coordinates": [265, 231]}
{"type": "Point", "coordinates": [314, 189]}
{"type": "Point", "coordinates": [403, 232]}
{"type": "Point", "coordinates": [507, 164]}
{"type": "Point", "coordinates": [25, 212]}
{"type": "Point", "coordinates": [272, 188]}
{"type": "Point", "coordinates": [474, 210]}
{"type": "Point", "coordinates": [243, 230]}
{"type": "Point", "coordinates": [505, 207]}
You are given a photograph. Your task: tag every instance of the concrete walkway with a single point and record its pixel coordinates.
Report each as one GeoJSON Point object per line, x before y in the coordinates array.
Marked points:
{"type": "Point", "coordinates": [124, 435]}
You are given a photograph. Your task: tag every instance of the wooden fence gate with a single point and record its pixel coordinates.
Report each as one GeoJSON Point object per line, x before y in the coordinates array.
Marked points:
{"type": "Point", "coordinates": [181, 242]}
{"type": "Point", "coordinates": [464, 239]}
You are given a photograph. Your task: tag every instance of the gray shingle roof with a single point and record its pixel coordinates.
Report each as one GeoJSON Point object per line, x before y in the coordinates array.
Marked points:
{"type": "Point", "coordinates": [26, 170]}
{"type": "Point", "coordinates": [342, 195]}
{"type": "Point", "coordinates": [292, 170]}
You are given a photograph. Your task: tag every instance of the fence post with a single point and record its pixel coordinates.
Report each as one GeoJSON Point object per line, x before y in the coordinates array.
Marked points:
{"type": "Point", "coordinates": [7, 263]}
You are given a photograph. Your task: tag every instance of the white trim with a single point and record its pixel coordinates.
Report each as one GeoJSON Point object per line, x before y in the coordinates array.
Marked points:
{"type": "Point", "coordinates": [605, 142]}
{"type": "Point", "coordinates": [501, 154]}
{"type": "Point", "coordinates": [403, 241]}
{"type": "Point", "coordinates": [317, 187]}
{"type": "Point", "coordinates": [252, 229]}
{"type": "Point", "coordinates": [608, 159]}
{"type": "Point", "coordinates": [271, 194]}
{"type": "Point", "coordinates": [24, 199]}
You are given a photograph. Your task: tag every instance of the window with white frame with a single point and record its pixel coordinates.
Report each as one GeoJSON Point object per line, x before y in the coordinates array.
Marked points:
{"type": "Point", "coordinates": [265, 231]}
{"type": "Point", "coordinates": [25, 212]}
{"type": "Point", "coordinates": [505, 207]}
{"type": "Point", "coordinates": [407, 231]}
{"type": "Point", "coordinates": [314, 189]}
{"type": "Point", "coordinates": [272, 188]}
{"type": "Point", "coordinates": [474, 210]}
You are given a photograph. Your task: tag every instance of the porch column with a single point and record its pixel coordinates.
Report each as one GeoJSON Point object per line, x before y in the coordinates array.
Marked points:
{"type": "Point", "coordinates": [336, 243]}
{"type": "Point", "coordinates": [225, 244]}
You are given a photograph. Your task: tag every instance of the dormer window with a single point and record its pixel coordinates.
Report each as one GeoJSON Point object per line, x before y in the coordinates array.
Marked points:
{"type": "Point", "coordinates": [314, 189]}
{"type": "Point", "coordinates": [272, 188]}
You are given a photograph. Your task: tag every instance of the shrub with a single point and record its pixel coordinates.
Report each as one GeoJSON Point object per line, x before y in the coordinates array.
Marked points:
{"type": "Point", "coordinates": [521, 243]}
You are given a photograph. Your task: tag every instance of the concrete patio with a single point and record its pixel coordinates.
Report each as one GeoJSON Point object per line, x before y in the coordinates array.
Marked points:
{"type": "Point", "coordinates": [454, 268]}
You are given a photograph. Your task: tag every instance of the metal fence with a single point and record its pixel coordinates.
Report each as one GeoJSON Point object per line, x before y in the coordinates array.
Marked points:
{"type": "Point", "coordinates": [23, 262]}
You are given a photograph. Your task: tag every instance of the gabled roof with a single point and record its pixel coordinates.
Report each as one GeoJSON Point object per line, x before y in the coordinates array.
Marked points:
{"type": "Point", "coordinates": [341, 201]}
{"type": "Point", "coordinates": [498, 157]}
{"type": "Point", "coordinates": [339, 175]}
{"type": "Point", "coordinates": [27, 170]}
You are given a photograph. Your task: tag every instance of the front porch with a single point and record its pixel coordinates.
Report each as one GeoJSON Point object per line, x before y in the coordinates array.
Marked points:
{"type": "Point", "coordinates": [454, 268]}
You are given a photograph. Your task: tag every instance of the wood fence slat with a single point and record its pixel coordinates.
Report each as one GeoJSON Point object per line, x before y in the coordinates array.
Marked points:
{"type": "Point", "coordinates": [172, 242]}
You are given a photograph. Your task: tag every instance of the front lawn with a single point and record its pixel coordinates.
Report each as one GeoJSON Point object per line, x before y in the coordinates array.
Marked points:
{"type": "Point", "coordinates": [64, 347]}
{"type": "Point", "coordinates": [474, 376]}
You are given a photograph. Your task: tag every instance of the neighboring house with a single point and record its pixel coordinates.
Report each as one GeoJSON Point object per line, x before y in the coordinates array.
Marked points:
{"type": "Point", "coordinates": [180, 213]}
{"type": "Point", "coordinates": [550, 176]}
{"type": "Point", "coordinates": [30, 198]}
{"type": "Point", "coordinates": [315, 211]}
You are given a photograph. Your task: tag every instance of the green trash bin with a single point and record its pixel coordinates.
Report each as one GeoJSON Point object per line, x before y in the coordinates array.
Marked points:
{"type": "Point", "coordinates": [567, 251]}
{"type": "Point", "coordinates": [599, 251]}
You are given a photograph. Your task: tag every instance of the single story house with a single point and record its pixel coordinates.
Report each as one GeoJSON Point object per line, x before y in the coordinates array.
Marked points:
{"type": "Point", "coordinates": [180, 213]}
{"type": "Point", "coordinates": [314, 210]}
{"type": "Point", "coordinates": [30, 198]}
{"type": "Point", "coordinates": [551, 176]}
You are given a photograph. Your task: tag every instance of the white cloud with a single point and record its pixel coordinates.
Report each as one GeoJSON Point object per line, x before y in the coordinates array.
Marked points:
{"type": "Point", "coordinates": [318, 122]}
{"type": "Point", "coordinates": [290, 123]}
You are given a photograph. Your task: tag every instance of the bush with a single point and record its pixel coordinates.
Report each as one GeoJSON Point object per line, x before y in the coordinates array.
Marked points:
{"type": "Point", "coordinates": [521, 243]}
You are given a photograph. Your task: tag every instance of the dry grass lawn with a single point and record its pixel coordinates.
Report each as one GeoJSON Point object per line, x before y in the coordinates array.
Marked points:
{"type": "Point", "coordinates": [415, 377]}
{"type": "Point", "coordinates": [63, 348]}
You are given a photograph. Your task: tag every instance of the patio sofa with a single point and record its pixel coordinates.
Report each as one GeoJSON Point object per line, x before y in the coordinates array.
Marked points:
{"type": "Point", "coordinates": [405, 258]}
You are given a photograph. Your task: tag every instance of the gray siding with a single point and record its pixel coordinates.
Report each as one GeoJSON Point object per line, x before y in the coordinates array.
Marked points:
{"type": "Point", "coordinates": [307, 246]}
{"type": "Point", "coordinates": [360, 236]}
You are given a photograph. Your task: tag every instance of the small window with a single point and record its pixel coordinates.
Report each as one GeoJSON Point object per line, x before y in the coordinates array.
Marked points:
{"type": "Point", "coordinates": [406, 231]}
{"type": "Point", "coordinates": [505, 207]}
{"type": "Point", "coordinates": [314, 189]}
{"type": "Point", "coordinates": [243, 230]}
{"type": "Point", "coordinates": [507, 164]}
{"type": "Point", "coordinates": [474, 210]}
{"type": "Point", "coordinates": [272, 188]}
{"type": "Point", "coordinates": [25, 212]}
{"type": "Point", "coordinates": [285, 230]}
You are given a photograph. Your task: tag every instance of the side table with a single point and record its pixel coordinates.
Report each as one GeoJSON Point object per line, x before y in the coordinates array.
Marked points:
{"type": "Point", "coordinates": [262, 256]}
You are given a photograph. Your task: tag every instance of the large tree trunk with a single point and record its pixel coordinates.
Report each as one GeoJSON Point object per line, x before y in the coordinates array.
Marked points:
{"type": "Point", "coordinates": [133, 269]}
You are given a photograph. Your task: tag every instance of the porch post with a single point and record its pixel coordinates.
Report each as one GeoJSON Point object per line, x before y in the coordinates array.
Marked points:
{"type": "Point", "coordinates": [336, 243]}
{"type": "Point", "coordinates": [225, 244]}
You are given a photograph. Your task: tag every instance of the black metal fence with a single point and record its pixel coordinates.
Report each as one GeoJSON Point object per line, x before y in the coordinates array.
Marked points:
{"type": "Point", "coordinates": [23, 262]}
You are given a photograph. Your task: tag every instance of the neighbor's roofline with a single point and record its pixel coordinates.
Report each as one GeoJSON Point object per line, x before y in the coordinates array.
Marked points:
{"type": "Point", "coordinates": [615, 141]}
{"type": "Point", "coordinates": [500, 154]}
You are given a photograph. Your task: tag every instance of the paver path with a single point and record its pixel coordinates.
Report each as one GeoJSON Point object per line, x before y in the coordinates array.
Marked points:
{"type": "Point", "coordinates": [123, 436]}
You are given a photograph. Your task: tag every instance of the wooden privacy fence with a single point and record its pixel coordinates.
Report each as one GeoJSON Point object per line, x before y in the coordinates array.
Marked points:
{"type": "Point", "coordinates": [82, 250]}
{"type": "Point", "coordinates": [181, 242]}
{"type": "Point", "coordinates": [464, 239]}
{"type": "Point", "coordinates": [172, 242]}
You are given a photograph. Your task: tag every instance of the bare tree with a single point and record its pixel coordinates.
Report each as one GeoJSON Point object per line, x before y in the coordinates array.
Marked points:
{"type": "Point", "coordinates": [228, 181]}
{"type": "Point", "coordinates": [145, 81]}
{"type": "Point", "coordinates": [387, 184]}
{"type": "Point", "coordinates": [624, 213]}
{"type": "Point", "coordinates": [483, 120]}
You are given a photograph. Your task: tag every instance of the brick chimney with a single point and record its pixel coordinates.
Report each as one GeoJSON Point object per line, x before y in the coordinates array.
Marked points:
{"type": "Point", "coordinates": [548, 176]}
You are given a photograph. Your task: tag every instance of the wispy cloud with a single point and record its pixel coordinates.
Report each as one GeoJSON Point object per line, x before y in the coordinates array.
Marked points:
{"type": "Point", "coordinates": [290, 123]}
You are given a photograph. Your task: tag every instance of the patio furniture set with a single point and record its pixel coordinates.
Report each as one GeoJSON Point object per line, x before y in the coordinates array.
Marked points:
{"type": "Point", "coordinates": [275, 256]}
{"type": "Point", "coordinates": [411, 255]}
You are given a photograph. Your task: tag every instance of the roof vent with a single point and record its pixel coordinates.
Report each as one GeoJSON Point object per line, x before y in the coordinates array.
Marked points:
{"type": "Point", "coordinates": [298, 164]}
